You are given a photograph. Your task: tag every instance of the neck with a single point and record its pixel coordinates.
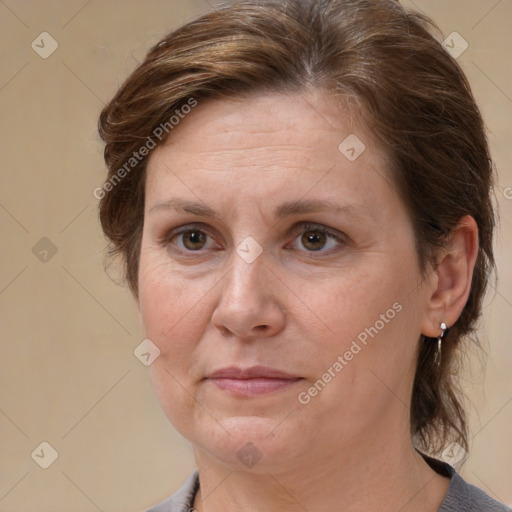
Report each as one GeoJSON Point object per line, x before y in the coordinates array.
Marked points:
{"type": "Point", "coordinates": [384, 473]}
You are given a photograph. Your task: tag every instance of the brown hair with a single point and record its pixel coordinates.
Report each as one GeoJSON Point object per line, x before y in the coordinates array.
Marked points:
{"type": "Point", "coordinates": [411, 93]}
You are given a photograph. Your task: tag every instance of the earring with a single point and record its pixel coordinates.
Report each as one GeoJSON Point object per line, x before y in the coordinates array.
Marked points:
{"type": "Point", "coordinates": [437, 357]}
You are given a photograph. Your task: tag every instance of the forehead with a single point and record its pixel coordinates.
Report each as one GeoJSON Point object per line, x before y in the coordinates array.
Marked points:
{"type": "Point", "coordinates": [268, 146]}
{"type": "Point", "coordinates": [266, 120]}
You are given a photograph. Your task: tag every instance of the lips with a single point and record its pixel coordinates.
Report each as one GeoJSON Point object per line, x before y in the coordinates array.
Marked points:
{"type": "Point", "coordinates": [253, 372]}
{"type": "Point", "coordinates": [252, 381]}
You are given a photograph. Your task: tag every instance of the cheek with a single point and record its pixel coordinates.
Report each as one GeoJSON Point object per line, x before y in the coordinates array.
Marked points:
{"type": "Point", "coordinates": [168, 301]}
{"type": "Point", "coordinates": [348, 303]}
{"type": "Point", "coordinates": [171, 318]}
{"type": "Point", "coordinates": [369, 318]}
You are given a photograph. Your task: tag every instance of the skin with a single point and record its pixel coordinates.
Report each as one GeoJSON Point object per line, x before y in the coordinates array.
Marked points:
{"type": "Point", "coordinates": [293, 307]}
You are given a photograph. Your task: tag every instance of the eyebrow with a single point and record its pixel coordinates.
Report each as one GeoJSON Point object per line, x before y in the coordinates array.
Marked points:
{"type": "Point", "coordinates": [284, 210]}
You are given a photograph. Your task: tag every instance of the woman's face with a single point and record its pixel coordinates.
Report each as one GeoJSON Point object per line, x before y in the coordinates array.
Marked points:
{"type": "Point", "coordinates": [273, 238]}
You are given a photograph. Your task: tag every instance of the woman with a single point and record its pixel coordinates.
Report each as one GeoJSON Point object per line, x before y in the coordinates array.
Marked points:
{"type": "Point", "coordinates": [300, 191]}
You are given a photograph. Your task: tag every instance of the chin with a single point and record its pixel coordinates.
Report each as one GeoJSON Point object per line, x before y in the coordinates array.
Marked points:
{"type": "Point", "coordinates": [253, 443]}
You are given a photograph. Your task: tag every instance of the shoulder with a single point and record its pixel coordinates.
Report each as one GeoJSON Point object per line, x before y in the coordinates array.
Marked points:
{"type": "Point", "coordinates": [182, 500]}
{"type": "Point", "coordinates": [461, 496]}
{"type": "Point", "coordinates": [464, 497]}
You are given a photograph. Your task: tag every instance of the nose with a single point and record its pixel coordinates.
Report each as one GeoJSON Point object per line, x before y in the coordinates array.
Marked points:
{"type": "Point", "coordinates": [250, 305]}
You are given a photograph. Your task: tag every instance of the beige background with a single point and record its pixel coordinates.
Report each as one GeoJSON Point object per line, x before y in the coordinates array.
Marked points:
{"type": "Point", "coordinates": [68, 373]}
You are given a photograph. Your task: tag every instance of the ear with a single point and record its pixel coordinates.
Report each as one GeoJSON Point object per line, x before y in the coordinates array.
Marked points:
{"type": "Point", "coordinates": [453, 274]}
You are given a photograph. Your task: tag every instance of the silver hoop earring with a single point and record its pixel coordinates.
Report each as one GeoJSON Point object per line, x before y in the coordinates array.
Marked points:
{"type": "Point", "coordinates": [437, 357]}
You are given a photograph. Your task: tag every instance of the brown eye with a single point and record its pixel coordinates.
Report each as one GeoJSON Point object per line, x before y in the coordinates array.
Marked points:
{"type": "Point", "coordinates": [194, 240]}
{"type": "Point", "coordinates": [314, 240]}
{"type": "Point", "coordinates": [191, 240]}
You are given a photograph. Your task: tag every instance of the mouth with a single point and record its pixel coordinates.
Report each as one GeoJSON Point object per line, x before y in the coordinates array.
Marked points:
{"type": "Point", "coordinates": [253, 381]}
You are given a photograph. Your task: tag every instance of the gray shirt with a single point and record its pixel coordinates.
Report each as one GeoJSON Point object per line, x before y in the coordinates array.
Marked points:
{"type": "Point", "coordinates": [461, 496]}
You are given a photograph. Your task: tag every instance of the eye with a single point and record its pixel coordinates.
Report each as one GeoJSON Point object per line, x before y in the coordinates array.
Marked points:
{"type": "Point", "coordinates": [316, 238]}
{"type": "Point", "coordinates": [189, 239]}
